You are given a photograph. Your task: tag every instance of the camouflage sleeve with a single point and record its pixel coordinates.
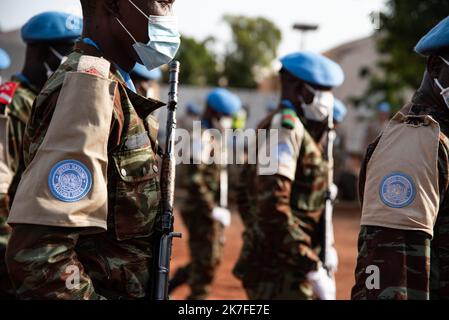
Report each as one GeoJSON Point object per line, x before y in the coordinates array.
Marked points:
{"type": "Point", "coordinates": [41, 261]}
{"type": "Point", "coordinates": [16, 132]}
{"type": "Point", "coordinates": [392, 264]}
{"type": "Point", "coordinates": [199, 184]}
{"type": "Point", "coordinates": [245, 196]}
{"type": "Point", "coordinates": [287, 240]}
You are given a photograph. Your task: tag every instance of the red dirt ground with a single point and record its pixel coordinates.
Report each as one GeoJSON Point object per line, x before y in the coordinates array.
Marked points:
{"type": "Point", "coordinates": [227, 287]}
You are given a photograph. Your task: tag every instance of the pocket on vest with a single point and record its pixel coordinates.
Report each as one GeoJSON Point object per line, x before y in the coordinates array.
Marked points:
{"type": "Point", "coordinates": [137, 193]}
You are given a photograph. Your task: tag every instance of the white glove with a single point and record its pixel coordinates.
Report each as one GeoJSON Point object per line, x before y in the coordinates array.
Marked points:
{"type": "Point", "coordinates": [222, 215]}
{"type": "Point", "coordinates": [333, 191]}
{"type": "Point", "coordinates": [332, 260]}
{"type": "Point", "coordinates": [323, 285]}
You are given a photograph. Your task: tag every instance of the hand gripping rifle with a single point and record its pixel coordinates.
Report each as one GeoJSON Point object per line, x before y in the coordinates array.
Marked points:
{"type": "Point", "coordinates": [328, 227]}
{"type": "Point", "coordinates": [168, 190]}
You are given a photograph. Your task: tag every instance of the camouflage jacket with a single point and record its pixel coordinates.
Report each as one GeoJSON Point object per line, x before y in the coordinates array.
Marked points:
{"type": "Point", "coordinates": [113, 263]}
{"type": "Point", "coordinates": [283, 215]}
{"type": "Point", "coordinates": [411, 264]}
{"type": "Point", "coordinates": [19, 113]}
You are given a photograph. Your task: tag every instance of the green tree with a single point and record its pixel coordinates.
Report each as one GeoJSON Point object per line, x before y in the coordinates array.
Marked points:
{"type": "Point", "coordinates": [254, 46]}
{"type": "Point", "coordinates": [403, 23]}
{"type": "Point", "coordinates": [198, 63]}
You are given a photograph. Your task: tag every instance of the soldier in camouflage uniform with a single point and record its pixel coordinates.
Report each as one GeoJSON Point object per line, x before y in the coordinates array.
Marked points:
{"type": "Point", "coordinates": [283, 215]}
{"type": "Point", "coordinates": [86, 210]}
{"type": "Point", "coordinates": [404, 239]}
{"type": "Point", "coordinates": [46, 46]}
{"type": "Point", "coordinates": [205, 216]}
{"type": "Point", "coordinates": [6, 92]}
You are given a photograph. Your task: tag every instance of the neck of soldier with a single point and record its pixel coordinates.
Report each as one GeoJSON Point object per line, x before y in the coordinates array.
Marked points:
{"type": "Point", "coordinates": [109, 47]}
{"type": "Point", "coordinates": [36, 73]}
{"type": "Point", "coordinates": [426, 94]}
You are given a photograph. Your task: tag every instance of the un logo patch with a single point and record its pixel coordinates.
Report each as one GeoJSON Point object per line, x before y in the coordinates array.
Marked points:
{"type": "Point", "coordinates": [397, 190]}
{"type": "Point", "coordinates": [69, 181]}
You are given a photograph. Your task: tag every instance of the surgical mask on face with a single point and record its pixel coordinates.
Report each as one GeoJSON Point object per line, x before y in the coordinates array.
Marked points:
{"type": "Point", "coordinates": [444, 91]}
{"type": "Point", "coordinates": [164, 40]}
{"type": "Point", "coordinates": [61, 58]}
{"type": "Point", "coordinates": [150, 93]}
{"type": "Point", "coordinates": [319, 109]}
{"type": "Point", "coordinates": [226, 123]}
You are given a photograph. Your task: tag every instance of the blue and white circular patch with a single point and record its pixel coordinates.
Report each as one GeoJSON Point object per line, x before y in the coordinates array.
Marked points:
{"type": "Point", "coordinates": [69, 181]}
{"type": "Point", "coordinates": [397, 190]}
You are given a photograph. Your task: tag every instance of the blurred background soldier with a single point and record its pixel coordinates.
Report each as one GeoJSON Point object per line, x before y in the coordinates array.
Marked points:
{"type": "Point", "coordinates": [193, 113]}
{"type": "Point", "coordinates": [5, 62]}
{"type": "Point", "coordinates": [6, 93]}
{"type": "Point", "coordinates": [376, 126]}
{"type": "Point", "coordinates": [283, 216]}
{"type": "Point", "coordinates": [49, 39]}
{"type": "Point", "coordinates": [404, 238]}
{"type": "Point", "coordinates": [146, 81]}
{"type": "Point", "coordinates": [205, 212]}
{"type": "Point", "coordinates": [88, 229]}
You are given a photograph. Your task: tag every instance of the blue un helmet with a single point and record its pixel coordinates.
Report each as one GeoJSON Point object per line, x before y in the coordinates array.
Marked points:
{"type": "Point", "coordinates": [384, 107]}
{"type": "Point", "coordinates": [5, 61]}
{"type": "Point", "coordinates": [141, 71]}
{"type": "Point", "coordinates": [52, 27]}
{"type": "Point", "coordinates": [314, 69]}
{"type": "Point", "coordinates": [435, 41]}
{"type": "Point", "coordinates": [223, 101]}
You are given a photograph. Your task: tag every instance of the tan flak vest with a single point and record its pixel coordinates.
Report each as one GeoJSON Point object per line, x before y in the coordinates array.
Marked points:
{"type": "Point", "coordinates": [66, 182]}
{"type": "Point", "coordinates": [401, 188]}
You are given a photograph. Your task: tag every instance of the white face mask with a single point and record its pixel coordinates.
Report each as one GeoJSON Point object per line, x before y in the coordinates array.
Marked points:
{"type": "Point", "coordinates": [164, 40]}
{"type": "Point", "coordinates": [321, 105]}
{"type": "Point", "coordinates": [444, 91]}
{"type": "Point", "coordinates": [225, 122]}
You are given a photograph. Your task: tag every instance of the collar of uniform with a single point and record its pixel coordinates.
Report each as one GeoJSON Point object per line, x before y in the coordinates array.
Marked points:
{"type": "Point", "coordinates": [143, 106]}
{"type": "Point", "coordinates": [24, 82]}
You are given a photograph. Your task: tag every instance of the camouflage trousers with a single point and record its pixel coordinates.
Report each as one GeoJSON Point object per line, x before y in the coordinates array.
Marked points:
{"type": "Point", "coordinates": [280, 284]}
{"type": "Point", "coordinates": [206, 241]}
{"type": "Point", "coordinates": [42, 259]}
{"type": "Point", "coordinates": [6, 288]}
{"type": "Point", "coordinates": [264, 278]}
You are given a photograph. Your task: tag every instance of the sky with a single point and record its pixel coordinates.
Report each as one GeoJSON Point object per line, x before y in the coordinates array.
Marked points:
{"type": "Point", "coordinates": [339, 21]}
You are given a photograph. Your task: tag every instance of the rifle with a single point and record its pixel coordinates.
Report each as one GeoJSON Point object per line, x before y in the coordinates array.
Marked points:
{"type": "Point", "coordinates": [328, 227]}
{"type": "Point", "coordinates": [168, 190]}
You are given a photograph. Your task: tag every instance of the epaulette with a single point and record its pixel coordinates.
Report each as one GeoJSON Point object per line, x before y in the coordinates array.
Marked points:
{"type": "Point", "coordinates": [7, 91]}
{"type": "Point", "coordinates": [94, 65]}
{"type": "Point", "coordinates": [288, 119]}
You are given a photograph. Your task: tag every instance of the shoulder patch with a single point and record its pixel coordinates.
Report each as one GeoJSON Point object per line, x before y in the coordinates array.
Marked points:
{"type": "Point", "coordinates": [289, 119]}
{"type": "Point", "coordinates": [397, 190]}
{"type": "Point", "coordinates": [94, 65]}
{"type": "Point", "coordinates": [69, 181]}
{"type": "Point", "coordinates": [7, 91]}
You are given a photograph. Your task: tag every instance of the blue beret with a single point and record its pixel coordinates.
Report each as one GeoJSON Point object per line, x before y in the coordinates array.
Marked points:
{"type": "Point", "coordinates": [223, 101]}
{"type": "Point", "coordinates": [436, 40]}
{"type": "Point", "coordinates": [340, 111]}
{"type": "Point", "coordinates": [5, 61]}
{"type": "Point", "coordinates": [384, 107]}
{"type": "Point", "coordinates": [142, 71]}
{"type": "Point", "coordinates": [314, 69]}
{"type": "Point", "coordinates": [52, 27]}
{"type": "Point", "coordinates": [271, 106]}
{"type": "Point", "coordinates": [193, 108]}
